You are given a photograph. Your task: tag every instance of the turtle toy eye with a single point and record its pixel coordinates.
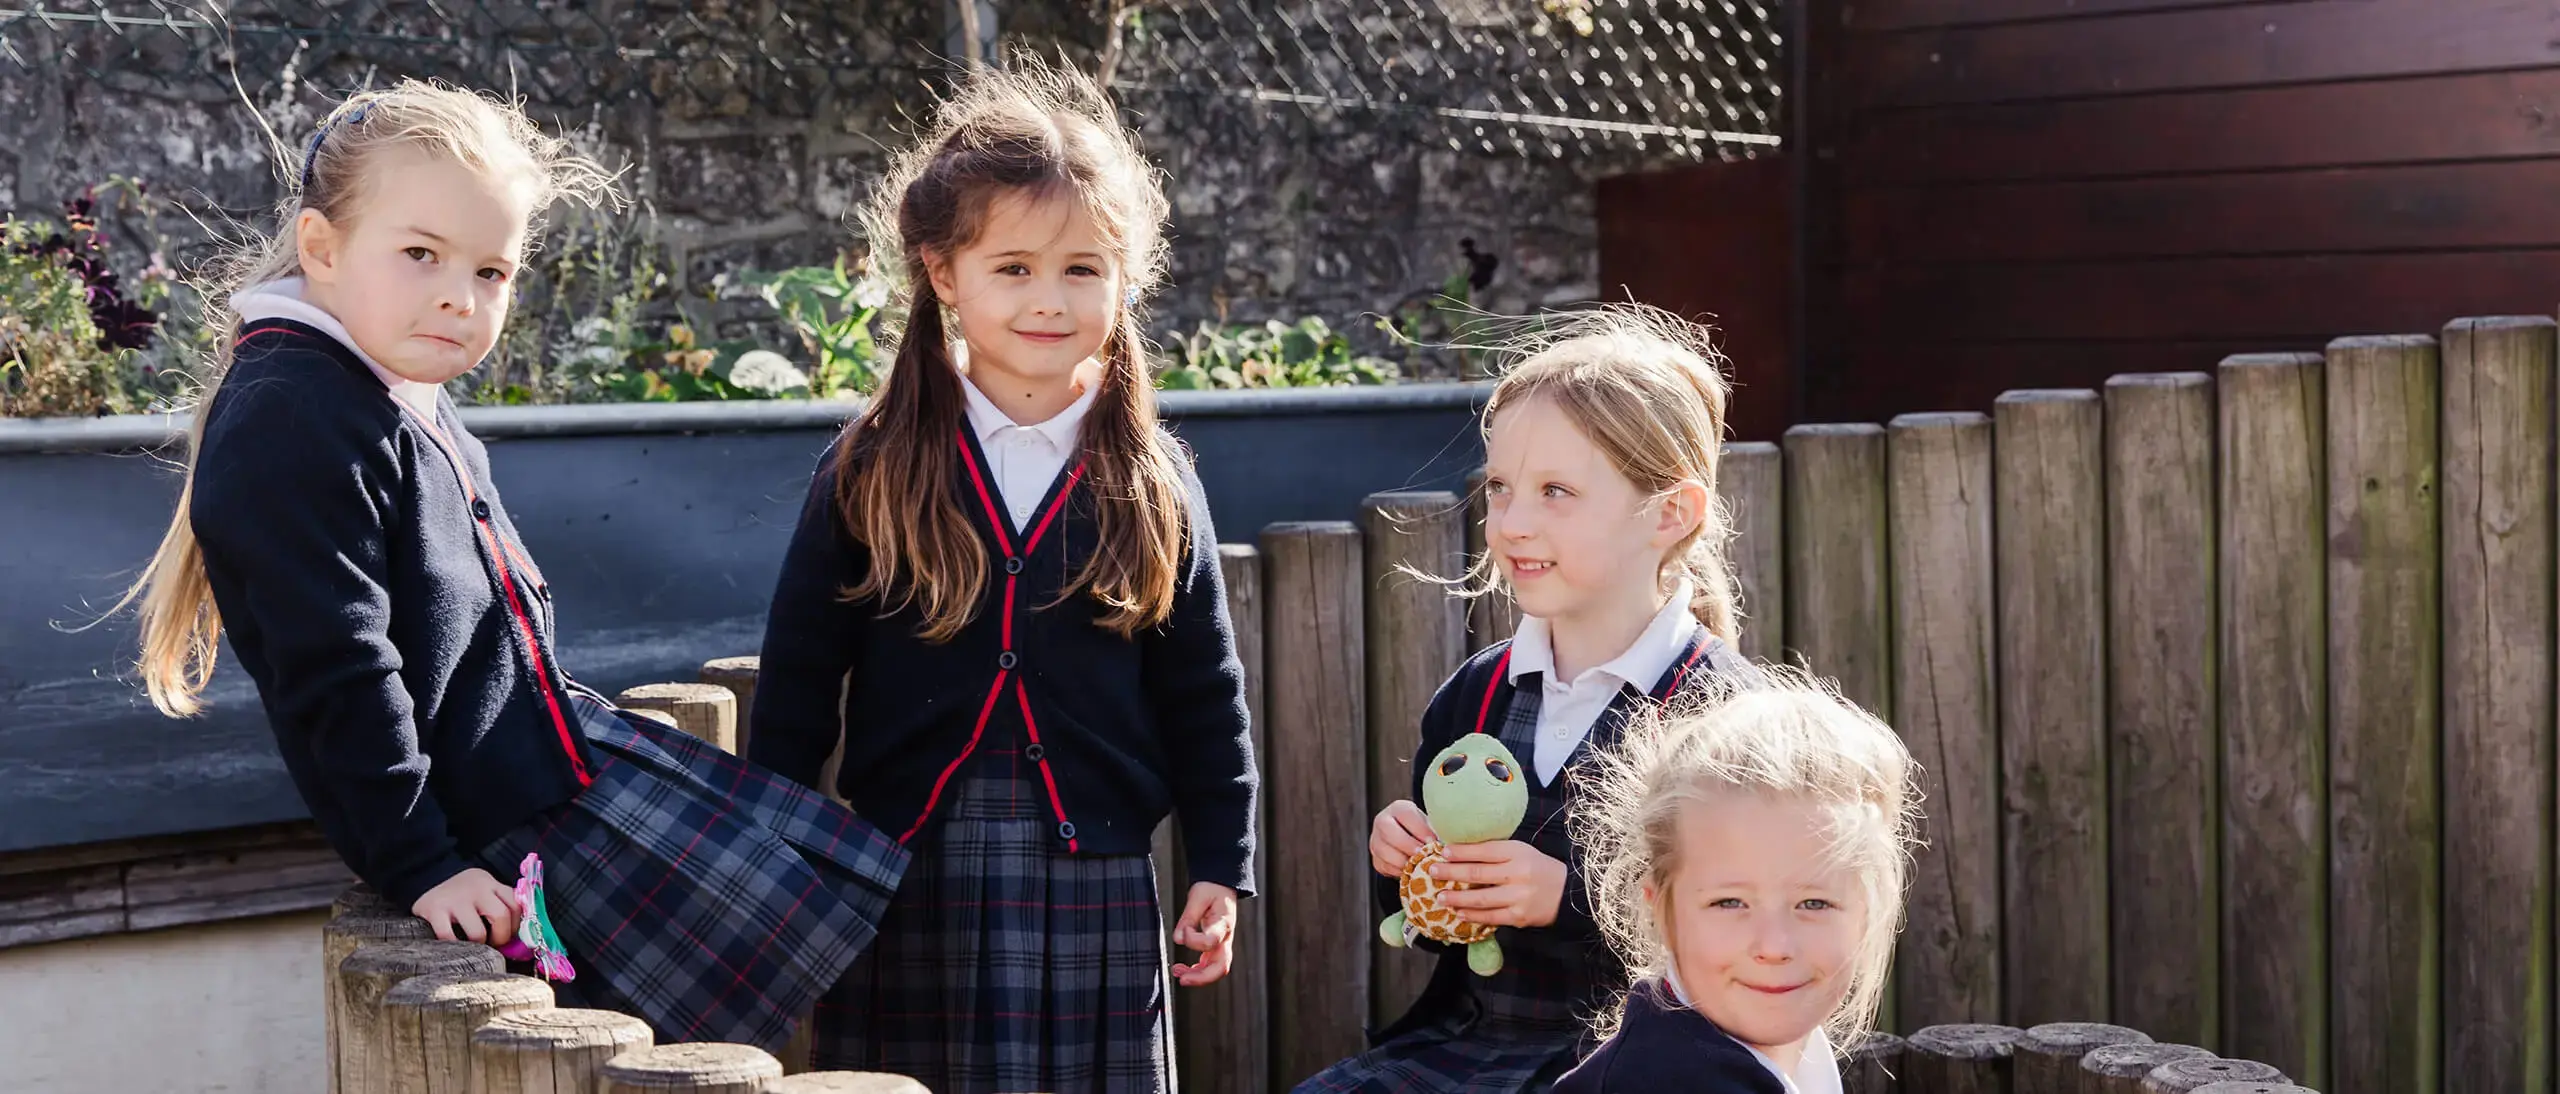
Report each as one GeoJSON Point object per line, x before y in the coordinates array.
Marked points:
{"type": "Point", "coordinates": [1453, 764]}
{"type": "Point", "coordinates": [1501, 771]}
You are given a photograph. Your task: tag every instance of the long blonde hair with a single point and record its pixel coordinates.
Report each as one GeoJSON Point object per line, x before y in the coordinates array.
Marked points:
{"type": "Point", "coordinates": [1780, 732]}
{"type": "Point", "coordinates": [180, 624]}
{"type": "Point", "coordinates": [1040, 132]}
{"type": "Point", "coordinates": [1649, 391]}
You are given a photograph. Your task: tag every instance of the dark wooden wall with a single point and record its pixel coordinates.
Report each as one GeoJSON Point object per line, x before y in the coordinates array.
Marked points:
{"type": "Point", "coordinates": [2017, 193]}
{"type": "Point", "coordinates": [1714, 244]}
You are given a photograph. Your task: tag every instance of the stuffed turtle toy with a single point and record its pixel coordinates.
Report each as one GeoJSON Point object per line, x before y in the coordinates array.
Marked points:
{"type": "Point", "coordinates": [1474, 792]}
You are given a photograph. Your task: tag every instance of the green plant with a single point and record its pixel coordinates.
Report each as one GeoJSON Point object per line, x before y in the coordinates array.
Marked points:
{"type": "Point", "coordinates": [1308, 353]}
{"type": "Point", "coordinates": [1443, 319]}
{"type": "Point", "coordinates": [73, 338]}
{"type": "Point", "coordinates": [833, 310]}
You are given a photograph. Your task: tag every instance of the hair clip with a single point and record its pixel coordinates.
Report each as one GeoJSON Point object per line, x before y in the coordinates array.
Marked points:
{"type": "Point", "coordinates": [1130, 298]}
{"type": "Point", "coordinates": [312, 155]}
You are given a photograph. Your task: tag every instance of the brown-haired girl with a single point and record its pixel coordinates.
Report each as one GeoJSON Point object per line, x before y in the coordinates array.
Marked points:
{"type": "Point", "coordinates": [1003, 600]}
{"type": "Point", "coordinates": [1601, 521]}
{"type": "Point", "coordinates": [342, 522]}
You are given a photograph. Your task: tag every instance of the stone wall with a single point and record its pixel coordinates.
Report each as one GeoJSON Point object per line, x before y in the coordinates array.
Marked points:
{"type": "Point", "coordinates": [1278, 213]}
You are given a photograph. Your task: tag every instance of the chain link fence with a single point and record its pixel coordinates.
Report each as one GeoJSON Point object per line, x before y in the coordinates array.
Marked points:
{"type": "Point", "coordinates": [703, 59]}
{"type": "Point", "coordinates": [1615, 80]}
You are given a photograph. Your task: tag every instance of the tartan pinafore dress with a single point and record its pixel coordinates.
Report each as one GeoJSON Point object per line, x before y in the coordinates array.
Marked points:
{"type": "Point", "coordinates": [1525, 1026]}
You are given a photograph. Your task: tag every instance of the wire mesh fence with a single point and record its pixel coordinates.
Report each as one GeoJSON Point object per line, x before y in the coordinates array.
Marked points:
{"type": "Point", "coordinates": [1614, 79]}
{"type": "Point", "coordinates": [708, 58]}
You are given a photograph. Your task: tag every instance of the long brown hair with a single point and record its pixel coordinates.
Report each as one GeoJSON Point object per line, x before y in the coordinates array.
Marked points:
{"type": "Point", "coordinates": [1649, 390]}
{"type": "Point", "coordinates": [1041, 133]}
{"type": "Point", "coordinates": [180, 624]}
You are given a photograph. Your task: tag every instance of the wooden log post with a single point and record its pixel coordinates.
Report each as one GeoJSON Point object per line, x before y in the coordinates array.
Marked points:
{"type": "Point", "coordinates": [429, 1020]}
{"type": "Point", "coordinates": [2162, 739]}
{"type": "Point", "coordinates": [1222, 1033]}
{"type": "Point", "coordinates": [1417, 636]}
{"type": "Point", "coordinates": [2385, 888]}
{"type": "Point", "coordinates": [2498, 657]}
{"type": "Point", "coordinates": [2119, 1069]}
{"type": "Point", "coordinates": [707, 711]}
{"type": "Point", "coordinates": [2047, 1060]}
{"type": "Point", "coordinates": [738, 674]}
{"type": "Point", "coordinates": [2273, 664]}
{"type": "Point", "coordinates": [1873, 1065]}
{"type": "Point", "coordinates": [702, 1068]}
{"type": "Point", "coordinates": [1967, 1058]}
{"type": "Point", "coordinates": [659, 716]}
{"type": "Point", "coordinates": [1750, 481]}
{"type": "Point", "coordinates": [2187, 1076]}
{"type": "Point", "coordinates": [360, 899]}
{"type": "Point", "coordinates": [339, 938]}
{"type": "Point", "coordinates": [850, 1082]}
{"type": "Point", "coordinates": [2252, 1088]}
{"type": "Point", "coordinates": [1492, 617]}
{"type": "Point", "coordinates": [1320, 913]}
{"type": "Point", "coordinates": [365, 1061]}
{"type": "Point", "coordinates": [550, 1051]}
{"type": "Point", "coordinates": [1948, 970]}
{"type": "Point", "coordinates": [2050, 490]}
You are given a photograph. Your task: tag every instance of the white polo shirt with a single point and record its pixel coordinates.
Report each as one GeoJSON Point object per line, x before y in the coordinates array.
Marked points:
{"type": "Point", "coordinates": [1569, 708]}
{"type": "Point", "coordinates": [1024, 459]}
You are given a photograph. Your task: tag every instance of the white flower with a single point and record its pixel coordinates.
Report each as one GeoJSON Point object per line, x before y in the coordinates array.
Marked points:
{"type": "Point", "coordinates": [593, 330]}
{"type": "Point", "coordinates": [870, 292]}
{"type": "Point", "coordinates": [766, 371]}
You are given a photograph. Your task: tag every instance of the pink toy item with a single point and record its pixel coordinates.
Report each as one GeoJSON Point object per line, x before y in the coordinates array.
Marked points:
{"type": "Point", "coordinates": [536, 940]}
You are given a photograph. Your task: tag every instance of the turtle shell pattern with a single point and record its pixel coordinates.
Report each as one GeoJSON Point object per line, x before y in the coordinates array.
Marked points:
{"type": "Point", "coordinates": [1423, 915]}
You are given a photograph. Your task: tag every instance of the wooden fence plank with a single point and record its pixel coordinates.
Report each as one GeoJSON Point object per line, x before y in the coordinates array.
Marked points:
{"type": "Point", "coordinates": [2384, 830]}
{"type": "Point", "coordinates": [2162, 740]}
{"type": "Point", "coordinates": [2051, 576]}
{"type": "Point", "coordinates": [1417, 635]}
{"type": "Point", "coordinates": [1943, 685]}
{"type": "Point", "coordinates": [1319, 779]}
{"type": "Point", "coordinates": [1838, 615]}
{"type": "Point", "coordinates": [1223, 1032]}
{"type": "Point", "coordinates": [2498, 650]}
{"type": "Point", "coordinates": [2274, 709]}
{"type": "Point", "coordinates": [1750, 481]}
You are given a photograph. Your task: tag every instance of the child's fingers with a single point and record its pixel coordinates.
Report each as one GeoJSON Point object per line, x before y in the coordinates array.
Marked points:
{"type": "Point", "coordinates": [1475, 873]}
{"type": "Point", "coordinates": [471, 926]}
{"type": "Point", "coordinates": [1495, 851]}
{"type": "Point", "coordinates": [442, 925]}
{"type": "Point", "coordinates": [501, 913]}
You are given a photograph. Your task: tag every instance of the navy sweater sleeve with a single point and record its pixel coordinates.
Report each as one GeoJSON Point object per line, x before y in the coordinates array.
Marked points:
{"type": "Point", "coordinates": [811, 638]}
{"type": "Point", "coordinates": [291, 499]}
{"type": "Point", "coordinates": [1195, 681]}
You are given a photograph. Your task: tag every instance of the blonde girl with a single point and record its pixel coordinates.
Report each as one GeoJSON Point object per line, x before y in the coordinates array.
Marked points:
{"type": "Point", "coordinates": [1749, 859]}
{"type": "Point", "coordinates": [1003, 603]}
{"type": "Point", "coordinates": [1601, 523]}
{"type": "Point", "coordinates": [341, 525]}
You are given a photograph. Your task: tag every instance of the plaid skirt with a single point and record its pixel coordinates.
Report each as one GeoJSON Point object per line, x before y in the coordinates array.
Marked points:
{"type": "Point", "coordinates": [1503, 1037]}
{"type": "Point", "coordinates": [1006, 964]}
{"type": "Point", "coordinates": [706, 895]}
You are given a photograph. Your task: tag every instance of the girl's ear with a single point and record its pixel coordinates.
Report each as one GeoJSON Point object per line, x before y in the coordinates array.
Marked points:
{"type": "Point", "coordinates": [318, 245]}
{"type": "Point", "coordinates": [937, 273]}
{"type": "Point", "coordinates": [1683, 509]}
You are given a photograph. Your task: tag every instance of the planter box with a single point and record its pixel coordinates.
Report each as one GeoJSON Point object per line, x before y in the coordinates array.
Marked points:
{"type": "Point", "coordinates": [660, 525]}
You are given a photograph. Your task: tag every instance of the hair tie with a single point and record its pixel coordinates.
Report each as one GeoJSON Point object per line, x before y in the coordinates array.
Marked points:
{"type": "Point", "coordinates": [312, 156]}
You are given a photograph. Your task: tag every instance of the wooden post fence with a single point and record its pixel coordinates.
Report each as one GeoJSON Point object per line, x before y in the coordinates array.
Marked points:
{"type": "Point", "coordinates": [1223, 1032]}
{"type": "Point", "coordinates": [1417, 636]}
{"type": "Point", "coordinates": [2188, 1076]}
{"type": "Point", "coordinates": [708, 711]}
{"type": "Point", "coordinates": [2120, 1069]}
{"type": "Point", "coordinates": [699, 1068]}
{"type": "Point", "coordinates": [365, 1040]}
{"type": "Point", "coordinates": [1963, 1058]}
{"type": "Point", "coordinates": [429, 1021]}
{"type": "Point", "coordinates": [2047, 1057]}
{"type": "Point", "coordinates": [550, 1051]}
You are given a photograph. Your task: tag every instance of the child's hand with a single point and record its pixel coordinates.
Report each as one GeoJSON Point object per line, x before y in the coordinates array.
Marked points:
{"type": "Point", "coordinates": [464, 901]}
{"type": "Point", "coordinates": [1516, 885]}
{"type": "Point", "coordinates": [1399, 833]}
{"type": "Point", "coordinates": [1208, 925]}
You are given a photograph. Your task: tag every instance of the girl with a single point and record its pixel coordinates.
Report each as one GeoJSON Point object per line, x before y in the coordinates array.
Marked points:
{"type": "Point", "coordinates": [1003, 600]}
{"type": "Point", "coordinates": [342, 522]}
{"type": "Point", "coordinates": [1749, 862]}
{"type": "Point", "coordinates": [1600, 455]}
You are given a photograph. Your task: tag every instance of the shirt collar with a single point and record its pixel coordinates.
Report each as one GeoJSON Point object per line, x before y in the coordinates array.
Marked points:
{"type": "Point", "coordinates": [987, 419]}
{"type": "Point", "coordinates": [282, 299]}
{"type": "Point", "coordinates": [1651, 655]}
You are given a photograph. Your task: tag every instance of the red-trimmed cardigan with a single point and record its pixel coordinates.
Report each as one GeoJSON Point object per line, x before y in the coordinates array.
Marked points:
{"type": "Point", "coordinates": [1121, 730]}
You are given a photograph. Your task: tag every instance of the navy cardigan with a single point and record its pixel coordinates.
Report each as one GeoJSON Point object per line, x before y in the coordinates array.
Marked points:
{"type": "Point", "coordinates": [1122, 730]}
{"type": "Point", "coordinates": [377, 594]}
{"type": "Point", "coordinates": [1663, 1046]}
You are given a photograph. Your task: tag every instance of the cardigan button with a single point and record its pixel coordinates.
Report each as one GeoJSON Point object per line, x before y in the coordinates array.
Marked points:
{"type": "Point", "coordinates": [480, 508]}
{"type": "Point", "coordinates": [1066, 830]}
{"type": "Point", "coordinates": [1013, 565]}
{"type": "Point", "coordinates": [1034, 753]}
{"type": "Point", "coordinates": [1007, 660]}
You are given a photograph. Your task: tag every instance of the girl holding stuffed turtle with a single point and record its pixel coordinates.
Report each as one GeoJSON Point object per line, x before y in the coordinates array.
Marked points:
{"type": "Point", "coordinates": [1601, 522]}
